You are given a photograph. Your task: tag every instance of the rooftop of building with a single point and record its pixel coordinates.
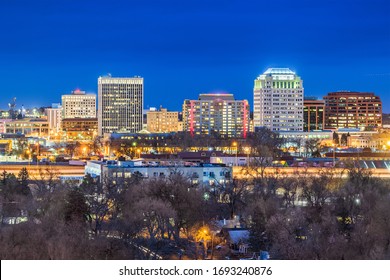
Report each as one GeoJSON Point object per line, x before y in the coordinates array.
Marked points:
{"type": "Point", "coordinates": [310, 98]}
{"type": "Point", "coordinates": [80, 120]}
{"type": "Point", "coordinates": [352, 93]}
{"type": "Point", "coordinates": [78, 91]}
{"type": "Point", "coordinates": [213, 96]}
{"type": "Point", "coordinates": [109, 77]}
{"type": "Point", "coordinates": [313, 100]}
{"type": "Point", "coordinates": [146, 163]}
{"type": "Point", "coordinates": [142, 133]}
{"type": "Point", "coordinates": [279, 71]}
{"type": "Point", "coordinates": [29, 120]}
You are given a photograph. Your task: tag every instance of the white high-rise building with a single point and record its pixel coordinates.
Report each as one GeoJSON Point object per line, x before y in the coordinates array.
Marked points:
{"type": "Point", "coordinates": [120, 104]}
{"type": "Point", "coordinates": [278, 100]}
{"type": "Point", "coordinates": [79, 105]}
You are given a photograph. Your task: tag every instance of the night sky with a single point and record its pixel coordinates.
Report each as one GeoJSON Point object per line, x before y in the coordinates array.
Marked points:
{"type": "Point", "coordinates": [184, 47]}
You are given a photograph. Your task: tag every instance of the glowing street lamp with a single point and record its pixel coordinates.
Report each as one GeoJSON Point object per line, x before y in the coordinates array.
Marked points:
{"type": "Point", "coordinates": [247, 151]}
{"type": "Point", "coordinates": [334, 155]}
{"type": "Point", "coordinates": [114, 153]}
{"type": "Point", "coordinates": [29, 156]}
{"type": "Point", "coordinates": [235, 145]}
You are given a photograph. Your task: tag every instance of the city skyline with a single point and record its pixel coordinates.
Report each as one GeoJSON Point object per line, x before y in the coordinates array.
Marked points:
{"type": "Point", "coordinates": [184, 49]}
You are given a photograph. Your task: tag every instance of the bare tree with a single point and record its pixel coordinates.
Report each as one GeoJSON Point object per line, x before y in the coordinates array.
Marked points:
{"type": "Point", "coordinates": [312, 147]}
{"type": "Point", "coordinates": [101, 198]}
{"type": "Point", "coordinates": [97, 145]}
{"type": "Point", "coordinates": [71, 148]}
{"type": "Point", "coordinates": [316, 192]}
{"type": "Point", "coordinates": [234, 194]}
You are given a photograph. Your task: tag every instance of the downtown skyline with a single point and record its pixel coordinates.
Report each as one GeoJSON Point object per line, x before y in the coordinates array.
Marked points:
{"type": "Point", "coordinates": [184, 49]}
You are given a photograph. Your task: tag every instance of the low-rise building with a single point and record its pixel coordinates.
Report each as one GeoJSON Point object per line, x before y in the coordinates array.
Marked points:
{"type": "Point", "coordinates": [161, 121]}
{"type": "Point", "coordinates": [78, 128]}
{"type": "Point", "coordinates": [367, 139]}
{"type": "Point", "coordinates": [320, 135]}
{"type": "Point", "coordinates": [201, 173]}
{"type": "Point", "coordinates": [29, 127]}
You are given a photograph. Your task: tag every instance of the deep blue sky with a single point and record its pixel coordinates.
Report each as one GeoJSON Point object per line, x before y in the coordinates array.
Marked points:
{"type": "Point", "coordinates": [184, 47]}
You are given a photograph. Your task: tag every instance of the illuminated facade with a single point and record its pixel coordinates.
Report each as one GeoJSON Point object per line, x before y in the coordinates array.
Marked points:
{"type": "Point", "coordinates": [120, 104]}
{"type": "Point", "coordinates": [216, 113]}
{"type": "Point", "coordinates": [80, 129]}
{"type": "Point", "coordinates": [2, 125]}
{"type": "Point", "coordinates": [79, 105]}
{"type": "Point", "coordinates": [278, 100]}
{"type": "Point", "coordinates": [313, 114]}
{"type": "Point", "coordinates": [352, 110]}
{"type": "Point", "coordinates": [28, 127]}
{"type": "Point", "coordinates": [54, 118]}
{"type": "Point", "coordinates": [160, 121]}
{"type": "Point", "coordinates": [204, 174]}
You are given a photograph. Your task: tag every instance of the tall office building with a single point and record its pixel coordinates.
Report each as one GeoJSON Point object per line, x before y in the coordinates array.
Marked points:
{"type": "Point", "coordinates": [313, 114]}
{"type": "Point", "coordinates": [352, 110]}
{"type": "Point", "coordinates": [219, 113]}
{"type": "Point", "coordinates": [120, 104]}
{"type": "Point", "coordinates": [278, 100]}
{"type": "Point", "coordinates": [79, 104]}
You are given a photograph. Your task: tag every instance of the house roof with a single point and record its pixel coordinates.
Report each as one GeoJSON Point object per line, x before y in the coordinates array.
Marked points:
{"type": "Point", "coordinates": [237, 235]}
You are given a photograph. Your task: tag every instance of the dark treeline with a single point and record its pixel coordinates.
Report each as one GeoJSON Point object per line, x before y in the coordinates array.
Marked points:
{"type": "Point", "coordinates": [297, 217]}
{"type": "Point", "coordinates": [327, 216]}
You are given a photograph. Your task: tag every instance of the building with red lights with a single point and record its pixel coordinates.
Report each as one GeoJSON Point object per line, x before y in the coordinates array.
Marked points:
{"type": "Point", "coordinates": [78, 104]}
{"type": "Point", "coordinates": [352, 110]}
{"type": "Point", "coordinates": [216, 113]}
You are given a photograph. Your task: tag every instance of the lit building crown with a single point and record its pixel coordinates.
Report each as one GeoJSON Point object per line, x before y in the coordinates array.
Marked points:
{"type": "Point", "coordinates": [278, 71]}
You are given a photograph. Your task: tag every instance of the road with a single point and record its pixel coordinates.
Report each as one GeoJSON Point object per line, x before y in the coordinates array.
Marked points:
{"type": "Point", "coordinates": [33, 169]}
{"type": "Point", "coordinates": [69, 170]}
{"type": "Point", "coordinates": [313, 171]}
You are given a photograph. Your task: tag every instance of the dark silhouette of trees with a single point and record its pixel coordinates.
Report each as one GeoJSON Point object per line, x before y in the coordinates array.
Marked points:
{"type": "Point", "coordinates": [71, 148]}
{"type": "Point", "coordinates": [313, 147]}
{"type": "Point", "coordinates": [320, 216]}
{"type": "Point", "coordinates": [265, 145]}
{"type": "Point", "coordinates": [336, 139]}
{"type": "Point", "coordinates": [75, 208]}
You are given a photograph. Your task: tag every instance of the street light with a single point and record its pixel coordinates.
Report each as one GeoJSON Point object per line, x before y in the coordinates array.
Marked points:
{"type": "Point", "coordinates": [114, 153]}
{"type": "Point", "coordinates": [38, 155]}
{"type": "Point", "coordinates": [235, 145]}
{"type": "Point", "coordinates": [29, 157]}
{"type": "Point", "coordinates": [206, 234]}
{"type": "Point", "coordinates": [247, 150]}
{"type": "Point", "coordinates": [139, 152]}
{"type": "Point", "coordinates": [334, 155]}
